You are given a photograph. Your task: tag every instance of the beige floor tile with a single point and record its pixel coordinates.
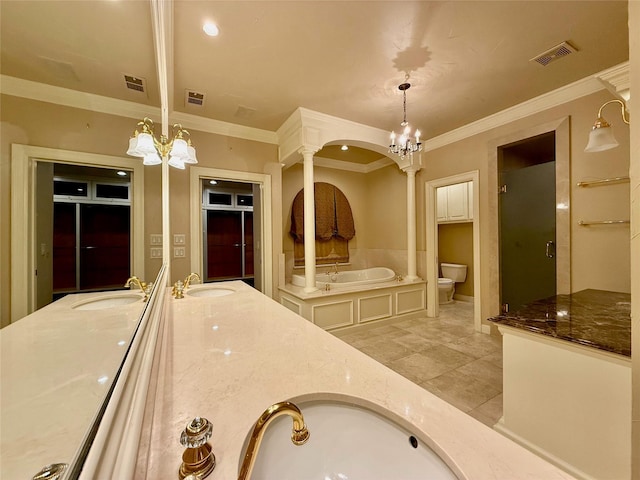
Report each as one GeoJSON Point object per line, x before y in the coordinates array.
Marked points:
{"type": "Point", "coordinates": [433, 333]}
{"type": "Point", "coordinates": [477, 345]}
{"type": "Point", "coordinates": [444, 355]}
{"type": "Point", "coordinates": [494, 358]}
{"type": "Point", "coordinates": [492, 409]}
{"type": "Point", "coordinates": [414, 342]}
{"type": "Point", "coordinates": [460, 390]}
{"type": "Point", "coordinates": [389, 331]}
{"type": "Point", "coordinates": [447, 356]}
{"type": "Point", "coordinates": [485, 372]}
{"type": "Point", "coordinates": [418, 368]}
{"type": "Point", "coordinates": [384, 350]}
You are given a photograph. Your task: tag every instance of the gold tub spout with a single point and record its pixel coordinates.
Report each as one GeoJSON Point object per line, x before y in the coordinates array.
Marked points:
{"type": "Point", "coordinates": [299, 434]}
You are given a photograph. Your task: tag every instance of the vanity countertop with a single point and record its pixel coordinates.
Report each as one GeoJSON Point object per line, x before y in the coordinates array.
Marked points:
{"type": "Point", "coordinates": [594, 318]}
{"type": "Point", "coordinates": [57, 366]}
{"type": "Point", "coordinates": [230, 357]}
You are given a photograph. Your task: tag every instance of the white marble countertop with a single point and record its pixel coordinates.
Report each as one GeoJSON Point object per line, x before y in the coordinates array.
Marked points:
{"type": "Point", "coordinates": [57, 365]}
{"type": "Point", "coordinates": [228, 358]}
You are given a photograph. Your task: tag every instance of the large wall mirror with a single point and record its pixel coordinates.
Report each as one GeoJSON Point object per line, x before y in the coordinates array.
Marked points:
{"type": "Point", "coordinates": [78, 229]}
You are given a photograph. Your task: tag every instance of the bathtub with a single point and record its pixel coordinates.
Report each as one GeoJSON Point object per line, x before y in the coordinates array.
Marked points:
{"type": "Point", "coordinates": [348, 278]}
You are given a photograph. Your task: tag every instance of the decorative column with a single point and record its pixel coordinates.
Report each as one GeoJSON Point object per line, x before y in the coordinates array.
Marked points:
{"type": "Point", "coordinates": [411, 221]}
{"type": "Point", "coordinates": [309, 221]}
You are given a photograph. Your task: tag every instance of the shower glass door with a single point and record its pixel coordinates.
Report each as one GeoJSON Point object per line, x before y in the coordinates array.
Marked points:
{"type": "Point", "coordinates": [527, 235]}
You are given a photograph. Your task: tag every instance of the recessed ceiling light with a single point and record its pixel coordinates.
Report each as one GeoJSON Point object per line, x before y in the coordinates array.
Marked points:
{"type": "Point", "coordinates": [344, 148]}
{"type": "Point", "coordinates": [122, 173]}
{"type": "Point", "coordinates": [211, 29]}
{"type": "Point", "coordinates": [212, 182]}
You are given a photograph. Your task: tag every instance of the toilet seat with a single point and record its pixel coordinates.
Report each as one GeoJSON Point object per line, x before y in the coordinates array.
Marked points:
{"type": "Point", "coordinates": [444, 282]}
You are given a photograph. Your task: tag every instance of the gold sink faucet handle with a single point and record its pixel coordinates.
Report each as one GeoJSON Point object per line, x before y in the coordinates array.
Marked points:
{"type": "Point", "coordinates": [178, 289]}
{"type": "Point", "coordinates": [198, 458]}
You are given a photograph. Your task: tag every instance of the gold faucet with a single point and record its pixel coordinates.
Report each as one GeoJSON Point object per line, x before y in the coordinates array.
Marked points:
{"type": "Point", "coordinates": [299, 434]}
{"type": "Point", "coordinates": [335, 268]}
{"type": "Point", "coordinates": [190, 277]}
{"type": "Point", "coordinates": [135, 281]}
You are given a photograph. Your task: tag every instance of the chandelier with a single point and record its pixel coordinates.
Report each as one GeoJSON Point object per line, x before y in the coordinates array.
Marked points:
{"type": "Point", "coordinates": [405, 146]}
{"type": "Point", "coordinates": [144, 144]}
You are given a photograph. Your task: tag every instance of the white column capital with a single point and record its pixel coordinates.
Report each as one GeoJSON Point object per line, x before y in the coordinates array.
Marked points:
{"type": "Point", "coordinates": [411, 170]}
{"type": "Point", "coordinates": [307, 151]}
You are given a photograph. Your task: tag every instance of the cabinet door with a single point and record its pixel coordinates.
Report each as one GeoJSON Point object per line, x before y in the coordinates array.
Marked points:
{"type": "Point", "coordinates": [457, 202]}
{"type": "Point", "coordinates": [441, 203]}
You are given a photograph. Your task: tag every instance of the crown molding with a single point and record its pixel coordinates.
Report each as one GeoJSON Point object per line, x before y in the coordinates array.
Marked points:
{"type": "Point", "coordinates": [112, 106]}
{"type": "Point", "coordinates": [615, 78]}
{"type": "Point", "coordinates": [350, 166]}
{"type": "Point", "coordinates": [41, 92]}
{"type": "Point", "coordinates": [568, 93]}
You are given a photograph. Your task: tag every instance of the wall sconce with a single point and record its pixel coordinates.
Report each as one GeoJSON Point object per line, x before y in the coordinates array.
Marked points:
{"type": "Point", "coordinates": [601, 137]}
{"type": "Point", "coordinates": [144, 144]}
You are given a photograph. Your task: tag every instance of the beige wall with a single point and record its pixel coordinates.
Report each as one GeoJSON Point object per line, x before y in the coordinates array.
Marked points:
{"type": "Point", "coordinates": [455, 245]}
{"type": "Point", "coordinates": [600, 258]}
{"type": "Point", "coordinates": [42, 124]}
{"type": "Point", "coordinates": [226, 153]}
{"type": "Point", "coordinates": [352, 184]}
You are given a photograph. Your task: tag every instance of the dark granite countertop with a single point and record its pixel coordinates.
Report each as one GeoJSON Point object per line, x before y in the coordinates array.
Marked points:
{"type": "Point", "coordinates": [593, 318]}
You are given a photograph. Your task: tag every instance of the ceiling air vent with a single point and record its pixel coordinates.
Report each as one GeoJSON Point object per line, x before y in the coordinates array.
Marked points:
{"type": "Point", "coordinates": [555, 53]}
{"type": "Point", "coordinates": [135, 83]}
{"type": "Point", "coordinates": [194, 98]}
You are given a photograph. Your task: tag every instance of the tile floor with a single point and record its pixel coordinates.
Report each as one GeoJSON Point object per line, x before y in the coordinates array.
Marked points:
{"type": "Point", "coordinates": [443, 355]}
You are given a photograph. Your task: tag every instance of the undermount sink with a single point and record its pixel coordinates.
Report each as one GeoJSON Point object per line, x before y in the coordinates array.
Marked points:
{"type": "Point", "coordinates": [209, 291]}
{"type": "Point", "coordinates": [107, 301]}
{"type": "Point", "coordinates": [346, 442]}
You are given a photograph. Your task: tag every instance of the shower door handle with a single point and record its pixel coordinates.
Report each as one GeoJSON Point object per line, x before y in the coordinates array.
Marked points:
{"type": "Point", "coordinates": [550, 250]}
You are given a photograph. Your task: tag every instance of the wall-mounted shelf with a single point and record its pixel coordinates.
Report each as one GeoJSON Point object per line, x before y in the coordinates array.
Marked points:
{"type": "Point", "coordinates": [602, 222]}
{"type": "Point", "coordinates": [605, 181]}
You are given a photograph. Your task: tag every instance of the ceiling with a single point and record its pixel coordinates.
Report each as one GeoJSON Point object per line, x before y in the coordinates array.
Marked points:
{"type": "Point", "coordinates": [465, 59]}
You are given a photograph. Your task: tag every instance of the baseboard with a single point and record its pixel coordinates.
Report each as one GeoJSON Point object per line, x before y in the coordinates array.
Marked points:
{"type": "Point", "coordinates": [463, 298]}
{"type": "Point", "coordinates": [579, 474]}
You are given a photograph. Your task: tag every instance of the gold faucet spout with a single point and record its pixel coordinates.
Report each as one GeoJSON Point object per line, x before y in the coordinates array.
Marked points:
{"type": "Point", "coordinates": [135, 281]}
{"type": "Point", "coordinates": [299, 434]}
{"type": "Point", "coordinates": [190, 278]}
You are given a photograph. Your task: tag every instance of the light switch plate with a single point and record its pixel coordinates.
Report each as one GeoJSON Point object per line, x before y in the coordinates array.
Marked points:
{"type": "Point", "coordinates": [156, 252]}
{"type": "Point", "coordinates": [156, 239]}
{"type": "Point", "coordinates": [178, 252]}
{"type": "Point", "coordinates": [179, 239]}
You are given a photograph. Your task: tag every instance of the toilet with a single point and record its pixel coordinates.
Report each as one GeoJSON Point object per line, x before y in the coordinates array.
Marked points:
{"type": "Point", "coordinates": [451, 273]}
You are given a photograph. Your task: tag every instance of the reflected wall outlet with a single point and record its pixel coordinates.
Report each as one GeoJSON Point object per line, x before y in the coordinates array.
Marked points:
{"type": "Point", "coordinates": [156, 253]}
{"type": "Point", "coordinates": [156, 239]}
{"type": "Point", "coordinates": [179, 239]}
{"type": "Point", "coordinates": [178, 252]}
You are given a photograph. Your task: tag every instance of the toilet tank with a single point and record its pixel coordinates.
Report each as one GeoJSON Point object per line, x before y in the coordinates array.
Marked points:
{"type": "Point", "coordinates": [454, 271]}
